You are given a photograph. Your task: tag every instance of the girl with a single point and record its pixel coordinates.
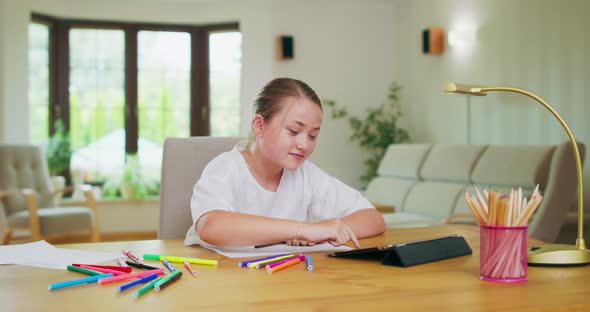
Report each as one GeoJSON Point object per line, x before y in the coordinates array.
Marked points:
{"type": "Point", "coordinates": [267, 191]}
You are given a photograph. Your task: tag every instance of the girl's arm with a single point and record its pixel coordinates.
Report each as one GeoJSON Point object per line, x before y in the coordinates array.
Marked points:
{"type": "Point", "coordinates": [365, 222]}
{"type": "Point", "coordinates": [224, 228]}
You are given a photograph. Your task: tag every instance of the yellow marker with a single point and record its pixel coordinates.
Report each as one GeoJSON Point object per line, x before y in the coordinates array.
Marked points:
{"type": "Point", "coordinates": [190, 260]}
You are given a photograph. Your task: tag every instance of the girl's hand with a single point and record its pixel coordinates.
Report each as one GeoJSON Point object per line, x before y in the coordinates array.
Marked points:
{"type": "Point", "coordinates": [333, 231]}
{"type": "Point", "coordinates": [299, 242]}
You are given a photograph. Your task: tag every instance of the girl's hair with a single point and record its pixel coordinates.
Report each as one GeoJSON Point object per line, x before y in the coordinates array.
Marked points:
{"type": "Point", "coordinates": [267, 103]}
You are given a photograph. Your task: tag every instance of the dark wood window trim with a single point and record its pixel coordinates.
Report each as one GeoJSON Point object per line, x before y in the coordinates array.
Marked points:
{"type": "Point", "coordinates": [199, 83]}
{"type": "Point", "coordinates": [59, 70]}
{"type": "Point", "coordinates": [131, 121]}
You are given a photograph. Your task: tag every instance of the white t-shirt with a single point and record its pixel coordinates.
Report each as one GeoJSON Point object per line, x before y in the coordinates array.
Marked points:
{"type": "Point", "coordinates": [306, 194]}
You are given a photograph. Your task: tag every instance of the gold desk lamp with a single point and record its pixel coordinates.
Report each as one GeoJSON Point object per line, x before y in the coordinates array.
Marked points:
{"type": "Point", "coordinates": [550, 254]}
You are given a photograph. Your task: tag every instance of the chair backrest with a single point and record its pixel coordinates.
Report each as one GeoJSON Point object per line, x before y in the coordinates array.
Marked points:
{"type": "Point", "coordinates": [183, 161]}
{"type": "Point", "coordinates": [23, 166]}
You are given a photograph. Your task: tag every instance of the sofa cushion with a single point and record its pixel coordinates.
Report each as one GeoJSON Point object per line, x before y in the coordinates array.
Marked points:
{"type": "Point", "coordinates": [524, 165]}
{"type": "Point", "coordinates": [389, 191]}
{"type": "Point", "coordinates": [403, 160]}
{"type": "Point", "coordinates": [458, 160]}
{"type": "Point", "coordinates": [443, 176]}
{"type": "Point", "coordinates": [434, 200]}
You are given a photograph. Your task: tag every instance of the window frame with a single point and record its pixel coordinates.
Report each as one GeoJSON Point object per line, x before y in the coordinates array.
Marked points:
{"type": "Point", "coordinates": [59, 70]}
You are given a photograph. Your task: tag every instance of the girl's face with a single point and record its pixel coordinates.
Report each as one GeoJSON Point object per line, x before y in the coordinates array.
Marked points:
{"type": "Point", "coordinates": [289, 137]}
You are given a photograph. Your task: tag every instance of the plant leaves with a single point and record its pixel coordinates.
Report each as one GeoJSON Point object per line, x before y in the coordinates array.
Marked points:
{"type": "Point", "coordinates": [376, 130]}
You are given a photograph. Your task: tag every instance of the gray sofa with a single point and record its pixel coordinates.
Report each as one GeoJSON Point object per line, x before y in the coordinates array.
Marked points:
{"type": "Point", "coordinates": [425, 182]}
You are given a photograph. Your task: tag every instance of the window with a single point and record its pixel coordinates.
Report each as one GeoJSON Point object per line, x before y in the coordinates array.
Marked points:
{"type": "Point", "coordinates": [225, 65]}
{"type": "Point", "coordinates": [39, 82]}
{"type": "Point", "coordinates": [164, 67]}
{"type": "Point", "coordinates": [122, 88]}
{"type": "Point", "coordinates": [97, 101]}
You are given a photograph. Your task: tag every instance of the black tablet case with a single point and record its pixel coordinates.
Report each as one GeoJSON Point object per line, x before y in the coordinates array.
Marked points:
{"type": "Point", "coordinates": [410, 254]}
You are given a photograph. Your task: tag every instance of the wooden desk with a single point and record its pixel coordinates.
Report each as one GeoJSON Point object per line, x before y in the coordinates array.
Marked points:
{"type": "Point", "coordinates": [334, 285]}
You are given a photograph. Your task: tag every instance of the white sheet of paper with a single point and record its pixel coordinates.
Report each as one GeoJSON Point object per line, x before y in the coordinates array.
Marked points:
{"type": "Point", "coordinates": [11, 253]}
{"type": "Point", "coordinates": [42, 254]}
{"type": "Point", "coordinates": [250, 251]}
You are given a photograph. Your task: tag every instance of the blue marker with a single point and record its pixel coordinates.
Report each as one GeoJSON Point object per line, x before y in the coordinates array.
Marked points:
{"type": "Point", "coordinates": [168, 265]}
{"type": "Point", "coordinates": [90, 279]}
{"type": "Point", "coordinates": [308, 260]}
{"type": "Point", "coordinates": [137, 282]}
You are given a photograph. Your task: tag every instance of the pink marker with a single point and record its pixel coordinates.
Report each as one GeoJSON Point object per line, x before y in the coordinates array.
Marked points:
{"type": "Point", "coordinates": [103, 270]}
{"type": "Point", "coordinates": [123, 277]}
{"type": "Point", "coordinates": [131, 256]}
{"type": "Point", "coordinates": [110, 267]}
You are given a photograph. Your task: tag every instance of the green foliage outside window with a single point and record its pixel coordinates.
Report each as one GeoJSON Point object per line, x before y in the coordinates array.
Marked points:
{"type": "Point", "coordinates": [59, 150]}
{"type": "Point", "coordinates": [378, 129]}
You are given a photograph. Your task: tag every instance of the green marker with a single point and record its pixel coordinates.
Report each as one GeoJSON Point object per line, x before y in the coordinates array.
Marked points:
{"type": "Point", "coordinates": [151, 257]}
{"type": "Point", "coordinates": [82, 270]}
{"type": "Point", "coordinates": [169, 279]}
{"type": "Point", "coordinates": [146, 288]}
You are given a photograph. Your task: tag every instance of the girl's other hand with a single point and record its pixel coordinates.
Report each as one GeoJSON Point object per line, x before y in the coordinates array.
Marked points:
{"type": "Point", "coordinates": [299, 242]}
{"type": "Point", "coordinates": [333, 231]}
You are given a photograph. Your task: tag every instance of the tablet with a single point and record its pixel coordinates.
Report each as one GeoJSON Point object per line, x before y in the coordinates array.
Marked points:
{"type": "Point", "coordinates": [411, 253]}
{"type": "Point", "coordinates": [376, 253]}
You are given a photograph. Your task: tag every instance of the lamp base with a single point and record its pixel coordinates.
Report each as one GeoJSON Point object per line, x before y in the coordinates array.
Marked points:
{"type": "Point", "coordinates": [558, 255]}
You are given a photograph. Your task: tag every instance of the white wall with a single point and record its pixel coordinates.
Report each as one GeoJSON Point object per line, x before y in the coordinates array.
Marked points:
{"type": "Point", "coordinates": [344, 50]}
{"type": "Point", "coordinates": [539, 45]}
{"type": "Point", "coordinates": [14, 110]}
{"type": "Point", "coordinates": [350, 50]}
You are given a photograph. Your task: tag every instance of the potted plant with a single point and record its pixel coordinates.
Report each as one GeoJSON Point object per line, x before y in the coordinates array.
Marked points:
{"type": "Point", "coordinates": [378, 129]}
{"type": "Point", "coordinates": [59, 154]}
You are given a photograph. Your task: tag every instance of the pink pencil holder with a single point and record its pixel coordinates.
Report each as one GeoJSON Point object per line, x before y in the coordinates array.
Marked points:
{"type": "Point", "coordinates": [503, 253]}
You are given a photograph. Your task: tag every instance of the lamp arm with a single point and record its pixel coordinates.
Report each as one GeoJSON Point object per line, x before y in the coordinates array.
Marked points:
{"type": "Point", "coordinates": [580, 243]}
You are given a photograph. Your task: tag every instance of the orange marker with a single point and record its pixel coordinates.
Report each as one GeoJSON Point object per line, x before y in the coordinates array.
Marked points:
{"type": "Point", "coordinates": [188, 266]}
{"type": "Point", "coordinates": [284, 265]}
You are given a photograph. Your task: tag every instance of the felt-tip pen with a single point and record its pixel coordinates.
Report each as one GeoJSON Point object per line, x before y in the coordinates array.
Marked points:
{"type": "Point", "coordinates": [309, 265]}
{"type": "Point", "coordinates": [89, 279]}
{"type": "Point", "coordinates": [142, 280]}
{"type": "Point", "coordinates": [181, 259]}
{"type": "Point", "coordinates": [131, 256]}
{"type": "Point", "coordinates": [188, 266]}
{"type": "Point", "coordinates": [140, 265]}
{"type": "Point", "coordinates": [168, 265]}
{"type": "Point", "coordinates": [169, 279]}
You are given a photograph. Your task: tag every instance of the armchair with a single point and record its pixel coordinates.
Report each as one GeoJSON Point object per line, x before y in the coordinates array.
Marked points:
{"type": "Point", "coordinates": [27, 199]}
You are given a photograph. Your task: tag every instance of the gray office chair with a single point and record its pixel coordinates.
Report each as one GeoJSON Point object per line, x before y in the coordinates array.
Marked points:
{"type": "Point", "coordinates": [27, 199]}
{"type": "Point", "coordinates": [184, 160]}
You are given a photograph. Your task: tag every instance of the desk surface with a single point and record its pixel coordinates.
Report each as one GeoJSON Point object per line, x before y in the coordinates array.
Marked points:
{"type": "Point", "coordinates": [335, 284]}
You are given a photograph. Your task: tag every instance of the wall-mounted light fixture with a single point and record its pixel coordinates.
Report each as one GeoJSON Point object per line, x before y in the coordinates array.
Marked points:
{"type": "Point", "coordinates": [433, 40]}
{"type": "Point", "coordinates": [285, 47]}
